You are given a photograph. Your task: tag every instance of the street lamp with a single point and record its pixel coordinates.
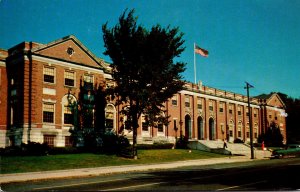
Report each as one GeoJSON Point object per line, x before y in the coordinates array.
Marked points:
{"type": "Point", "coordinates": [175, 129]}
{"type": "Point", "coordinates": [180, 123]}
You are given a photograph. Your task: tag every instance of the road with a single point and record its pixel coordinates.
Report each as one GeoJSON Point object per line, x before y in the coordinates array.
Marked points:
{"type": "Point", "coordinates": [264, 175]}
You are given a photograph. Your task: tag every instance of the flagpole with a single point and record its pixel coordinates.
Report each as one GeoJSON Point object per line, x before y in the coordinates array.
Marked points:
{"type": "Point", "coordinates": [195, 64]}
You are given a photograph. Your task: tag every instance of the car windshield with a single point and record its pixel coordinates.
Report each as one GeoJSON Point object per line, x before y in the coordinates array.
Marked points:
{"type": "Point", "coordinates": [293, 146]}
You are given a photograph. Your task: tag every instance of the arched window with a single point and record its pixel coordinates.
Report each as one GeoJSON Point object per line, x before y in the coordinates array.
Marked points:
{"type": "Point", "coordinates": [110, 116]}
{"type": "Point", "coordinates": [188, 127]}
{"type": "Point", "coordinates": [240, 129]}
{"type": "Point", "coordinates": [69, 104]}
{"type": "Point", "coordinates": [212, 133]}
{"type": "Point", "coordinates": [200, 128]}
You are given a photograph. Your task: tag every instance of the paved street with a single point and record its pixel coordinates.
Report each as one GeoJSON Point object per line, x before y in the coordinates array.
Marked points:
{"type": "Point", "coordinates": [247, 175]}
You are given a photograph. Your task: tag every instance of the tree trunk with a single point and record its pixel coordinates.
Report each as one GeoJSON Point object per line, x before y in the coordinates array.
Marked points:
{"type": "Point", "coordinates": [134, 126]}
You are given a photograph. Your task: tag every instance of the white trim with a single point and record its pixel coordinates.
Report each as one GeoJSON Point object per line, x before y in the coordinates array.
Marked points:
{"type": "Point", "coordinates": [281, 111]}
{"type": "Point", "coordinates": [49, 101]}
{"type": "Point", "coordinates": [49, 91]}
{"type": "Point", "coordinates": [114, 128]}
{"type": "Point", "coordinates": [2, 64]}
{"type": "Point", "coordinates": [65, 64]}
{"type": "Point", "coordinates": [275, 108]}
{"type": "Point", "coordinates": [107, 76]}
{"type": "Point", "coordinates": [63, 100]}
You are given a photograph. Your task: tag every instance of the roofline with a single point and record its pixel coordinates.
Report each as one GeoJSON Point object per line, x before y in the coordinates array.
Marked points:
{"type": "Point", "coordinates": [276, 94]}
{"type": "Point", "coordinates": [72, 37]}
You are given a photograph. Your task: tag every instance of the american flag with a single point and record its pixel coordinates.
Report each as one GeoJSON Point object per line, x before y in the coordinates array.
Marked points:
{"type": "Point", "coordinates": [201, 51]}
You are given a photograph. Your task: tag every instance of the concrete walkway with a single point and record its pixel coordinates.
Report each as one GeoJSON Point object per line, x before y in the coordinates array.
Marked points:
{"type": "Point", "coordinates": [33, 176]}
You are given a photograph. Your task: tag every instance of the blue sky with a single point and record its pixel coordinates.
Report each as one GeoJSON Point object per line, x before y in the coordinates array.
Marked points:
{"type": "Point", "coordinates": [257, 41]}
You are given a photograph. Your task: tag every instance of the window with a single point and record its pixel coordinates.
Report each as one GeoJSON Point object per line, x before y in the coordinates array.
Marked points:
{"type": "Point", "coordinates": [145, 123]}
{"type": "Point", "coordinates": [70, 51]}
{"type": "Point", "coordinates": [199, 103]}
{"type": "Point", "coordinates": [69, 78]}
{"type": "Point", "coordinates": [255, 131]}
{"type": "Point", "coordinates": [48, 113]}
{"type": "Point", "coordinates": [88, 81]}
{"type": "Point", "coordinates": [187, 101]}
{"type": "Point", "coordinates": [109, 117]}
{"type": "Point", "coordinates": [221, 107]}
{"type": "Point", "coordinates": [49, 74]}
{"type": "Point", "coordinates": [230, 109]}
{"type": "Point", "coordinates": [211, 107]}
{"type": "Point", "coordinates": [239, 133]}
{"type": "Point", "coordinates": [247, 112]}
{"type": "Point", "coordinates": [49, 139]}
{"type": "Point", "coordinates": [68, 141]}
{"type": "Point", "coordinates": [240, 129]}
{"type": "Point", "coordinates": [160, 127]}
{"type": "Point", "coordinates": [174, 100]}
{"type": "Point", "coordinates": [239, 111]}
{"type": "Point", "coordinates": [68, 116]}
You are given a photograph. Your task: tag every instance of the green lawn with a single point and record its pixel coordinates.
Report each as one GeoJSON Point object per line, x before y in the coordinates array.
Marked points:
{"type": "Point", "coordinates": [22, 164]}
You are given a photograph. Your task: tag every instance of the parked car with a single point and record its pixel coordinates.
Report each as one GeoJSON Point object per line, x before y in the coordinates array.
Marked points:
{"type": "Point", "coordinates": [291, 150]}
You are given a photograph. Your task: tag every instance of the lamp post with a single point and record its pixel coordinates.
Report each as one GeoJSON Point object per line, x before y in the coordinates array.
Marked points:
{"type": "Point", "coordinates": [180, 124]}
{"type": "Point", "coordinates": [250, 119]}
{"type": "Point", "coordinates": [175, 129]}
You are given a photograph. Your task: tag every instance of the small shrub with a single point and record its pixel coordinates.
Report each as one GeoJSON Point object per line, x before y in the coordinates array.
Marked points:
{"type": "Point", "coordinates": [156, 146]}
{"type": "Point", "coordinates": [182, 143]}
{"type": "Point", "coordinates": [113, 144]}
{"type": "Point", "coordinates": [35, 149]}
{"type": "Point", "coordinates": [30, 149]}
{"type": "Point", "coordinates": [237, 140]}
{"type": "Point", "coordinates": [11, 151]}
{"type": "Point", "coordinates": [63, 150]}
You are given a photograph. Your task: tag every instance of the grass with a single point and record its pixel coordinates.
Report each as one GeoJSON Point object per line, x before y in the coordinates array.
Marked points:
{"type": "Point", "coordinates": [22, 164]}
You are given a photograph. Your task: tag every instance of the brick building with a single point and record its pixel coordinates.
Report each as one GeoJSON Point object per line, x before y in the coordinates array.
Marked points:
{"type": "Point", "coordinates": [38, 80]}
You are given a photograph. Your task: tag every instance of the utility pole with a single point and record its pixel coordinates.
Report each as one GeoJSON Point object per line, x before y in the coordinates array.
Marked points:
{"type": "Point", "coordinates": [250, 119]}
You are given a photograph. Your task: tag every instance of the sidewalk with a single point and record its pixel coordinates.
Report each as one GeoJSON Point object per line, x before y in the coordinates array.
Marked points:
{"type": "Point", "coordinates": [33, 176]}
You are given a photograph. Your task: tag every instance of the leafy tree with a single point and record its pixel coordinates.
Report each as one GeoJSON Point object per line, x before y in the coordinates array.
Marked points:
{"type": "Point", "coordinates": [88, 116]}
{"type": "Point", "coordinates": [143, 66]}
{"type": "Point", "coordinates": [292, 120]}
{"type": "Point", "coordinates": [273, 136]}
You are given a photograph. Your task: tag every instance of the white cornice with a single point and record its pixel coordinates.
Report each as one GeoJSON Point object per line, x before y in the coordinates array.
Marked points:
{"type": "Point", "coordinates": [275, 108]}
{"type": "Point", "coordinates": [65, 64]}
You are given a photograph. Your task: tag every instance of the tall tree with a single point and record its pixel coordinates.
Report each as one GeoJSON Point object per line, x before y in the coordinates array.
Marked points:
{"type": "Point", "coordinates": [292, 120]}
{"type": "Point", "coordinates": [143, 67]}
